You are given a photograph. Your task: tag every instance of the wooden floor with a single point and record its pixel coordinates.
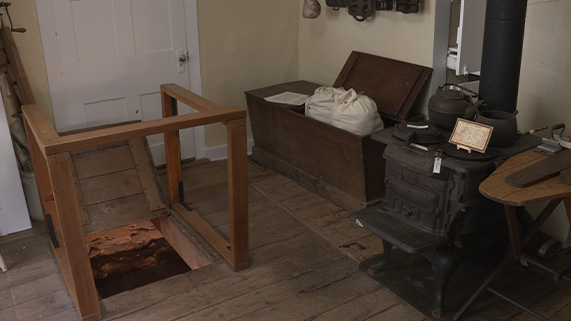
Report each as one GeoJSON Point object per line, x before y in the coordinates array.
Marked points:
{"type": "Point", "coordinates": [304, 257]}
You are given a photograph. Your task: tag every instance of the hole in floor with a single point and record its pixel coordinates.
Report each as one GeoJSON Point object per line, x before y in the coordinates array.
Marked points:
{"type": "Point", "coordinates": [130, 257]}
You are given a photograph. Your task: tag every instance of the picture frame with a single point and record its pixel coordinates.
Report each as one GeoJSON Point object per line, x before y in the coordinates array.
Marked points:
{"type": "Point", "coordinates": [471, 136]}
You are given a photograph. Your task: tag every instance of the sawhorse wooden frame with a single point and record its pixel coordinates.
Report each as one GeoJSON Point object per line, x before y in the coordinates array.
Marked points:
{"type": "Point", "coordinates": [54, 175]}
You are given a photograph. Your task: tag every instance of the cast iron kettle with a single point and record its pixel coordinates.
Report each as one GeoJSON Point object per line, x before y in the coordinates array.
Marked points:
{"type": "Point", "coordinates": [448, 103]}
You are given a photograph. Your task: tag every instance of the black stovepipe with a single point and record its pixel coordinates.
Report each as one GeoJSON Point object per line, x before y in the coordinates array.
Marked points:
{"type": "Point", "coordinates": [501, 53]}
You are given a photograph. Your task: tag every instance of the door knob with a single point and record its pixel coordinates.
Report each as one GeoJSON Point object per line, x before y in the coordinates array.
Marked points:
{"type": "Point", "coordinates": [182, 58]}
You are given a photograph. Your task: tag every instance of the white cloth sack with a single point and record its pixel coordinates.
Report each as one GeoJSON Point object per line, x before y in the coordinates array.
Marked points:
{"type": "Point", "coordinates": [356, 113]}
{"type": "Point", "coordinates": [320, 105]}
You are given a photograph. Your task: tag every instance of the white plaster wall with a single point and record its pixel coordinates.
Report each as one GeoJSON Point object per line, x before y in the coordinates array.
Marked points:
{"type": "Point", "coordinates": [245, 45]}
{"type": "Point", "coordinates": [14, 215]}
{"type": "Point", "coordinates": [545, 82]}
{"type": "Point", "coordinates": [326, 42]}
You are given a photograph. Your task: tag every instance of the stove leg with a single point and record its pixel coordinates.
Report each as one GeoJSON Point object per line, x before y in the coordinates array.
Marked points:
{"type": "Point", "coordinates": [444, 264]}
{"type": "Point", "coordinates": [376, 268]}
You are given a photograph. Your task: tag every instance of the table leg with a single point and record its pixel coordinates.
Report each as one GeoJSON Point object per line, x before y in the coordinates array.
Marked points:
{"type": "Point", "coordinates": [567, 202]}
{"type": "Point", "coordinates": [513, 230]}
{"type": "Point", "coordinates": [516, 245]}
{"type": "Point", "coordinates": [497, 272]}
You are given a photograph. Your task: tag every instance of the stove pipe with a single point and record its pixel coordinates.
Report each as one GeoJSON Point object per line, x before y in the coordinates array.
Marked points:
{"type": "Point", "coordinates": [501, 53]}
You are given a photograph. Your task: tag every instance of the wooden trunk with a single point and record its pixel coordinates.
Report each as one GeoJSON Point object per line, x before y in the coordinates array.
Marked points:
{"type": "Point", "coordinates": [345, 168]}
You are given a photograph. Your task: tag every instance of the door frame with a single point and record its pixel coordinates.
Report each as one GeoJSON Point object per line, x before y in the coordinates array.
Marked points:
{"type": "Point", "coordinates": [56, 85]}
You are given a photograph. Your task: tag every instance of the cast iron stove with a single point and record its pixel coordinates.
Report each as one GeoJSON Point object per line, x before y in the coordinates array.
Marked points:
{"type": "Point", "coordinates": [441, 216]}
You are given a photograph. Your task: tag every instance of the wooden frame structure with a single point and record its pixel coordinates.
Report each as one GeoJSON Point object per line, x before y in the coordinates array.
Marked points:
{"type": "Point", "coordinates": [54, 174]}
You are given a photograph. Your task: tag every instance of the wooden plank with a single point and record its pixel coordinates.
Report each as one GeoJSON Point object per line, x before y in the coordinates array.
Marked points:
{"type": "Point", "coordinates": [189, 98]}
{"type": "Point", "coordinates": [267, 296]}
{"type": "Point", "coordinates": [26, 93]}
{"type": "Point", "coordinates": [238, 193]}
{"type": "Point", "coordinates": [194, 221]}
{"type": "Point", "coordinates": [109, 187]}
{"type": "Point", "coordinates": [40, 287]}
{"type": "Point", "coordinates": [105, 161]}
{"type": "Point", "coordinates": [118, 212]}
{"type": "Point", "coordinates": [147, 173]}
{"type": "Point", "coordinates": [399, 312]}
{"type": "Point", "coordinates": [266, 230]}
{"type": "Point", "coordinates": [113, 134]}
{"type": "Point", "coordinates": [74, 260]}
{"type": "Point", "coordinates": [191, 255]}
{"type": "Point", "coordinates": [542, 170]}
{"type": "Point", "coordinates": [362, 308]}
{"type": "Point", "coordinates": [219, 218]}
{"type": "Point", "coordinates": [39, 127]}
{"type": "Point", "coordinates": [318, 300]}
{"type": "Point", "coordinates": [209, 174]}
{"type": "Point", "coordinates": [34, 309]}
{"type": "Point", "coordinates": [363, 248]}
{"type": "Point", "coordinates": [172, 151]}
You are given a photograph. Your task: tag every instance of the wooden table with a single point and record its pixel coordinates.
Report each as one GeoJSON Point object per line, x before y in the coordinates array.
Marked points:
{"type": "Point", "coordinates": [495, 188]}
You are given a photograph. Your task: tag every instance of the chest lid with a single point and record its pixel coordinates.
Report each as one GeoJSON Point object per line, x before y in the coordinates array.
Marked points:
{"type": "Point", "coordinates": [393, 85]}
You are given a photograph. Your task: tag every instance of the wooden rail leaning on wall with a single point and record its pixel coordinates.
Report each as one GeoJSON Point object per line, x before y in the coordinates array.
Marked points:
{"type": "Point", "coordinates": [54, 174]}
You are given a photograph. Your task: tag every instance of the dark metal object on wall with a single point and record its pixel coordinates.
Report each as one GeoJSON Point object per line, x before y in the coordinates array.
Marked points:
{"type": "Point", "coordinates": [361, 9]}
{"type": "Point", "coordinates": [501, 53]}
{"type": "Point", "coordinates": [336, 4]}
{"type": "Point", "coordinates": [408, 6]}
{"type": "Point", "coordinates": [384, 5]}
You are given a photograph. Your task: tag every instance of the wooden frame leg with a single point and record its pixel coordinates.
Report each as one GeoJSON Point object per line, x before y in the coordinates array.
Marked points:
{"type": "Point", "coordinates": [172, 151]}
{"type": "Point", "coordinates": [71, 251]}
{"type": "Point", "coordinates": [513, 230]}
{"type": "Point", "coordinates": [42, 174]}
{"type": "Point", "coordinates": [567, 202]}
{"type": "Point", "coordinates": [238, 193]}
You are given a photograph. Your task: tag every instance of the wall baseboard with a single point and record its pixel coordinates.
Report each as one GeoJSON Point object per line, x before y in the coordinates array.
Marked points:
{"type": "Point", "coordinates": [221, 152]}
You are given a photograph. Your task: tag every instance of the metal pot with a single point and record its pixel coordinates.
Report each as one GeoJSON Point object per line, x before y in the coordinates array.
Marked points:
{"type": "Point", "coordinates": [504, 123]}
{"type": "Point", "coordinates": [447, 104]}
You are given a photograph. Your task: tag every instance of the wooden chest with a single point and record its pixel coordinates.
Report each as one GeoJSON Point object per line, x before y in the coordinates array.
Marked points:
{"type": "Point", "coordinates": [345, 168]}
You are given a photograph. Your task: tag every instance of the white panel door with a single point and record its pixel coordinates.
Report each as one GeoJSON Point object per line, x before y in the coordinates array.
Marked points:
{"type": "Point", "coordinates": [470, 37]}
{"type": "Point", "coordinates": [114, 56]}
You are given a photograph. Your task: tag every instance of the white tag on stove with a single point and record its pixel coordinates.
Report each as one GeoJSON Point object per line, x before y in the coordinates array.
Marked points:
{"type": "Point", "coordinates": [437, 164]}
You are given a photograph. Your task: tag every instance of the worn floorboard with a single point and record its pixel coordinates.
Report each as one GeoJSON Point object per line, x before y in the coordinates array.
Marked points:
{"type": "Point", "coordinates": [302, 253]}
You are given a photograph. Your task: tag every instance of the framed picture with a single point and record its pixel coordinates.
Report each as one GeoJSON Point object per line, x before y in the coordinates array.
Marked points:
{"type": "Point", "coordinates": [471, 136]}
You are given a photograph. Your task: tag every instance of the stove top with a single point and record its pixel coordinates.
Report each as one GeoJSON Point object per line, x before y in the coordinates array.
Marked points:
{"type": "Point", "coordinates": [462, 164]}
